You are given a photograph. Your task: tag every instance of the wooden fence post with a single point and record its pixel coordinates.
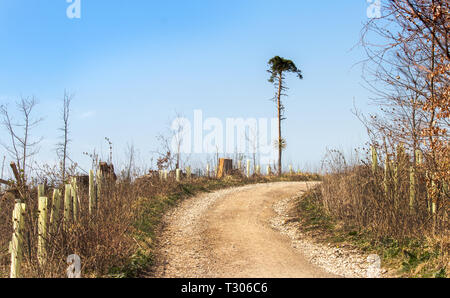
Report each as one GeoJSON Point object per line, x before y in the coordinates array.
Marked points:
{"type": "Point", "coordinates": [178, 175]}
{"type": "Point", "coordinates": [419, 157]}
{"type": "Point", "coordinates": [396, 184]}
{"type": "Point", "coordinates": [248, 168]}
{"type": "Point", "coordinates": [188, 172]}
{"type": "Point", "coordinates": [75, 202]}
{"type": "Point", "coordinates": [67, 205]}
{"type": "Point", "coordinates": [258, 170]}
{"type": "Point", "coordinates": [412, 188]}
{"type": "Point", "coordinates": [41, 190]}
{"type": "Point", "coordinates": [99, 186]}
{"type": "Point", "coordinates": [269, 171]}
{"type": "Point", "coordinates": [42, 230]}
{"type": "Point", "coordinates": [396, 176]}
{"type": "Point", "coordinates": [17, 240]}
{"type": "Point", "coordinates": [386, 175]}
{"type": "Point", "coordinates": [92, 194]}
{"type": "Point", "coordinates": [374, 159]}
{"type": "Point", "coordinates": [434, 196]}
{"type": "Point", "coordinates": [54, 215]}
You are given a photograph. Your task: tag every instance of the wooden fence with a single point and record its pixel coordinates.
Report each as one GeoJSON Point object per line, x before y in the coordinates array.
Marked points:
{"type": "Point", "coordinates": [48, 219]}
{"type": "Point", "coordinates": [65, 206]}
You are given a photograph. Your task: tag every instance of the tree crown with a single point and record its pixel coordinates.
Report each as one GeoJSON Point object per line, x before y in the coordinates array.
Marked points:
{"type": "Point", "coordinates": [279, 65]}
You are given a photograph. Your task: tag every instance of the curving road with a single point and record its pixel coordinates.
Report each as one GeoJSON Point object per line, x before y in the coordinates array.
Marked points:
{"type": "Point", "coordinates": [227, 234]}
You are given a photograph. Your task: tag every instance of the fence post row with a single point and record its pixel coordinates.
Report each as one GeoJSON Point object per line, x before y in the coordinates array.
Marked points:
{"type": "Point", "coordinates": [92, 193]}
{"type": "Point", "coordinates": [412, 187]}
{"type": "Point", "coordinates": [188, 172]}
{"type": "Point", "coordinates": [41, 190]}
{"type": "Point", "coordinates": [67, 205]}
{"type": "Point", "coordinates": [55, 211]}
{"type": "Point", "coordinates": [16, 243]}
{"type": "Point", "coordinates": [386, 174]}
{"type": "Point", "coordinates": [74, 194]}
{"type": "Point", "coordinates": [374, 159]}
{"type": "Point", "coordinates": [99, 187]}
{"type": "Point", "coordinates": [42, 230]}
{"type": "Point", "coordinates": [48, 223]}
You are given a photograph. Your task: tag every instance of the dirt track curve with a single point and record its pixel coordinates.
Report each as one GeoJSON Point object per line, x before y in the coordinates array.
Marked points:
{"type": "Point", "coordinates": [228, 234]}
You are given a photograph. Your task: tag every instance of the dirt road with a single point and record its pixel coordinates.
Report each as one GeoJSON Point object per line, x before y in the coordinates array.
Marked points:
{"type": "Point", "coordinates": [228, 234]}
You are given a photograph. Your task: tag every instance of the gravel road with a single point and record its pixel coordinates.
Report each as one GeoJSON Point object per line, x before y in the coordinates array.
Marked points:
{"type": "Point", "coordinates": [245, 232]}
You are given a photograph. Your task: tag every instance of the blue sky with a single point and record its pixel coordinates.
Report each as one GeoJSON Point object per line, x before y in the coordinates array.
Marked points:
{"type": "Point", "coordinates": [133, 65]}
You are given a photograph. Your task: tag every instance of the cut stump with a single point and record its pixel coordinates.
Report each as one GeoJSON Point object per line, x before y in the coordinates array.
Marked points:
{"type": "Point", "coordinates": [225, 167]}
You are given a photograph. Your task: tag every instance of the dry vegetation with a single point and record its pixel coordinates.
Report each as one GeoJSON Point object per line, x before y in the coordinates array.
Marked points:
{"type": "Point", "coordinates": [351, 209]}
{"type": "Point", "coordinates": [397, 201]}
{"type": "Point", "coordinates": [381, 200]}
{"type": "Point", "coordinates": [112, 225]}
{"type": "Point", "coordinates": [118, 241]}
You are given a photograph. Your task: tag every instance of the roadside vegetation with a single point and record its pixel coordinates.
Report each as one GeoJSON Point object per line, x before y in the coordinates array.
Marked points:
{"type": "Point", "coordinates": [392, 197]}
{"type": "Point", "coordinates": [409, 256]}
{"type": "Point", "coordinates": [119, 242]}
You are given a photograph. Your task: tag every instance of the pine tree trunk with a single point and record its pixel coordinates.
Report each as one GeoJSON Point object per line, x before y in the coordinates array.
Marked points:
{"type": "Point", "coordinates": [280, 148]}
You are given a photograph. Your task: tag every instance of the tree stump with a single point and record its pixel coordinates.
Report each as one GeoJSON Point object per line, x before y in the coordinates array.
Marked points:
{"type": "Point", "coordinates": [225, 167]}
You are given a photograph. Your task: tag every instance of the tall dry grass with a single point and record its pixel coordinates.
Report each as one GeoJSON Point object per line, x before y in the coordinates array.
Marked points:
{"type": "Point", "coordinates": [103, 241]}
{"type": "Point", "coordinates": [380, 201]}
{"type": "Point", "coordinates": [119, 240]}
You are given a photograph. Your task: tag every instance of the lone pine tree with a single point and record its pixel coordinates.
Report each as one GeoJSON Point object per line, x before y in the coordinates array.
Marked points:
{"type": "Point", "coordinates": [278, 66]}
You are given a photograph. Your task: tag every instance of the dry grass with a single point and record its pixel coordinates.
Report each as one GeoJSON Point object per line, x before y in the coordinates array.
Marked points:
{"type": "Point", "coordinates": [101, 241]}
{"type": "Point", "coordinates": [358, 203]}
{"type": "Point", "coordinates": [358, 197]}
{"type": "Point", "coordinates": [118, 241]}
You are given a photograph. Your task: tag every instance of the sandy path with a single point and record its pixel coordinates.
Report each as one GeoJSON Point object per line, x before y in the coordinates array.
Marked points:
{"type": "Point", "coordinates": [228, 234]}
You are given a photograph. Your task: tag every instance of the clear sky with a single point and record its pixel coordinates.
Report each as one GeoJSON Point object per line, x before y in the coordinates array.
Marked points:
{"type": "Point", "coordinates": [133, 64]}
